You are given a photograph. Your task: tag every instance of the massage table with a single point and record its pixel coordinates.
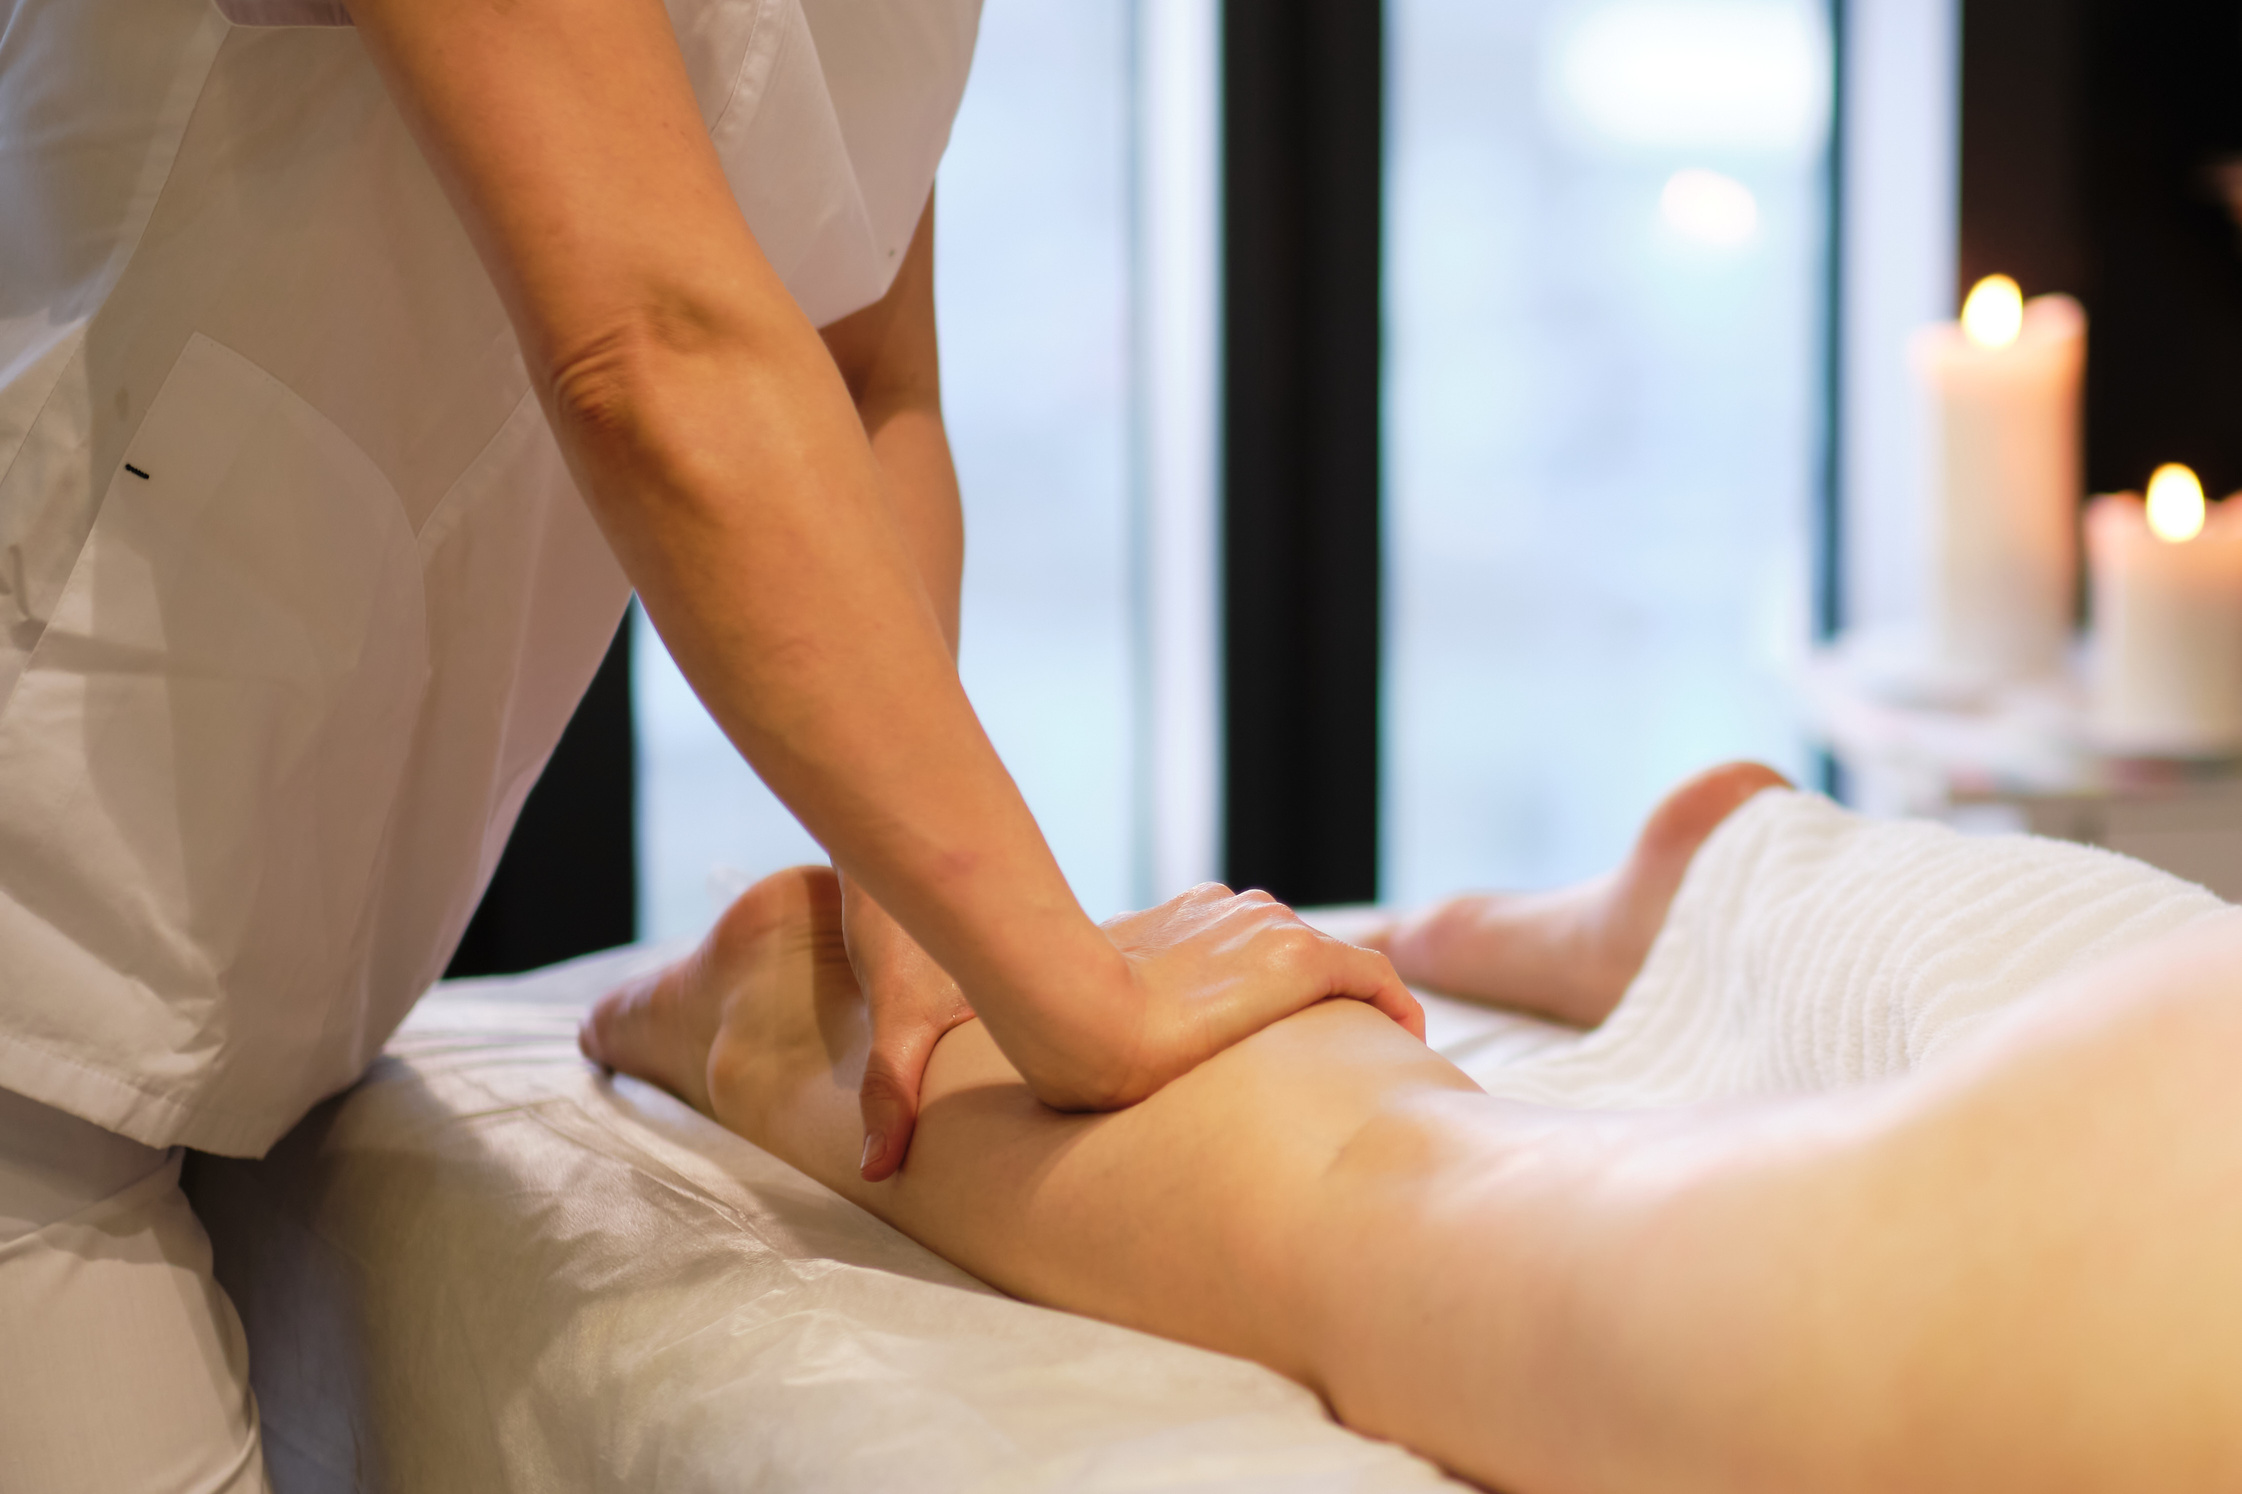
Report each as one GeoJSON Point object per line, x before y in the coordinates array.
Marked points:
{"type": "Point", "coordinates": [490, 1267]}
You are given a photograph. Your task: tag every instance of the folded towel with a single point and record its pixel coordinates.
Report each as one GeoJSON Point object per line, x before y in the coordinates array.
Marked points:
{"type": "Point", "coordinates": [1810, 948]}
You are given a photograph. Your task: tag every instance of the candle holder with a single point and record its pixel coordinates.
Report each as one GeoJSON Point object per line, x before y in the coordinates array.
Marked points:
{"type": "Point", "coordinates": [2029, 758]}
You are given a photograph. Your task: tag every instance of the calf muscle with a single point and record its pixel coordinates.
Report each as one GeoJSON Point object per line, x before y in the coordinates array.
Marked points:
{"type": "Point", "coordinates": [1200, 1214]}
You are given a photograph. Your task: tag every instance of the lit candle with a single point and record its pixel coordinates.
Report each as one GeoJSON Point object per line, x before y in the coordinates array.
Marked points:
{"type": "Point", "coordinates": [2166, 651]}
{"type": "Point", "coordinates": [2003, 386]}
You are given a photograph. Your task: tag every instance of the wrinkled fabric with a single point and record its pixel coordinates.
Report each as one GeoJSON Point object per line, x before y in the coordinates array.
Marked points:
{"type": "Point", "coordinates": [296, 594]}
{"type": "Point", "coordinates": [489, 1267]}
{"type": "Point", "coordinates": [1811, 949]}
{"type": "Point", "coordinates": [125, 1366]}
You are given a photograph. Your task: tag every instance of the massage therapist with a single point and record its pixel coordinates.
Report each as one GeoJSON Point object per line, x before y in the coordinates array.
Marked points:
{"type": "Point", "coordinates": [351, 379]}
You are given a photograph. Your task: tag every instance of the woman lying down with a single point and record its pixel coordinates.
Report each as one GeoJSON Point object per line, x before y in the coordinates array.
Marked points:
{"type": "Point", "coordinates": [1963, 1209]}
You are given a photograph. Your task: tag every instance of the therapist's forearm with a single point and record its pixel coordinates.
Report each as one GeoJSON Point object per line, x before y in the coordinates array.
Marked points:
{"type": "Point", "coordinates": [888, 355]}
{"type": "Point", "coordinates": [913, 453]}
{"type": "Point", "coordinates": [770, 589]}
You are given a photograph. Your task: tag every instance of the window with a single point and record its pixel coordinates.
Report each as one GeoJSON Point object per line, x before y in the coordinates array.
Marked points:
{"type": "Point", "coordinates": [1032, 264]}
{"type": "Point", "coordinates": [1605, 227]}
{"type": "Point", "coordinates": [1605, 233]}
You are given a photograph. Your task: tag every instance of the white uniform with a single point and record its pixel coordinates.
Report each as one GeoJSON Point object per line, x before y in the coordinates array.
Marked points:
{"type": "Point", "coordinates": [295, 592]}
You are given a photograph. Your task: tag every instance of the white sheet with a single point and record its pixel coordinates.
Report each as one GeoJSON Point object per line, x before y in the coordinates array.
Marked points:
{"type": "Point", "coordinates": [488, 1268]}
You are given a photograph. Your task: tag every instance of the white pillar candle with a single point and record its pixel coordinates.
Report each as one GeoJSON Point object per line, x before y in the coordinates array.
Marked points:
{"type": "Point", "coordinates": [2166, 650]}
{"type": "Point", "coordinates": [2003, 389]}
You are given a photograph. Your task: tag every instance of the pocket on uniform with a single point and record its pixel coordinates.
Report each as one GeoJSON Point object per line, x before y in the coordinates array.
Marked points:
{"type": "Point", "coordinates": [197, 765]}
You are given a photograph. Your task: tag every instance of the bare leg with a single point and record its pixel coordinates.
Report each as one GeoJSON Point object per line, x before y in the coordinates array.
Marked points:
{"type": "Point", "coordinates": [1568, 953]}
{"type": "Point", "coordinates": [2013, 1270]}
{"type": "Point", "coordinates": [768, 1035]}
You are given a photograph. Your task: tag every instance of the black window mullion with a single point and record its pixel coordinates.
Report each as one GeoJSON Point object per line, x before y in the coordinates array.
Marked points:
{"type": "Point", "coordinates": [1303, 85]}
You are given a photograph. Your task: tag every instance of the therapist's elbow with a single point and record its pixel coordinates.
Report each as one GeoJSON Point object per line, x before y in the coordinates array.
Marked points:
{"type": "Point", "coordinates": [609, 382]}
{"type": "Point", "coordinates": [602, 388]}
{"type": "Point", "coordinates": [614, 397]}
{"type": "Point", "coordinates": [638, 395]}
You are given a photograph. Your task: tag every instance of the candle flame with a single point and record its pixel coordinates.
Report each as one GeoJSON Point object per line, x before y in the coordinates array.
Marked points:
{"type": "Point", "coordinates": [2175, 504]}
{"type": "Point", "coordinates": [1994, 313]}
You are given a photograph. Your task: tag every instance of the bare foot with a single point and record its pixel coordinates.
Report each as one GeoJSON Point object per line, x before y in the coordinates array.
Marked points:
{"type": "Point", "coordinates": [1571, 953]}
{"type": "Point", "coordinates": [766, 1001]}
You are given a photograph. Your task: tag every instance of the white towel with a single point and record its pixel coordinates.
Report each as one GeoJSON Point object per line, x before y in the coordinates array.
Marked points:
{"type": "Point", "coordinates": [1811, 948]}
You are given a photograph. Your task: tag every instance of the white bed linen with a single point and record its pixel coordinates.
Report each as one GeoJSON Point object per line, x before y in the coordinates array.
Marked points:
{"type": "Point", "coordinates": [489, 1268]}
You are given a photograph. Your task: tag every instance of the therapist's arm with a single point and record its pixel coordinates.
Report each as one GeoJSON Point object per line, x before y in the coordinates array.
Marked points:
{"type": "Point", "coordinates": [718, 447]}
{"type": "Point", "coordinates": [889, 356]}
{"type": "Point", "coordinates": [890, 361]}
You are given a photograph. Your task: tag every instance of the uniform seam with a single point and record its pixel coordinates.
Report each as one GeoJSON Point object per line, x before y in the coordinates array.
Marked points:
{"type": "Point", "coordinates": [122, 257]}
{"type": "Point", "coordinates": [747, 57]}
{"type": "Point", "coordinates": [227, 1117]}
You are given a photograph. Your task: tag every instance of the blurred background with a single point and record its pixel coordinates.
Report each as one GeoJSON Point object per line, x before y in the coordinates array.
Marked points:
{"type": "Point", "coordinates": [1033, 255]}
{"type": "Point", "coordinates": [1595, 298]}
{"type": "Point", "coordinates": [1604, 240]}
{"type": "Point", "coordinates": [1606, 229]}
{"type": "Point", "coordinates": [1400, 440]}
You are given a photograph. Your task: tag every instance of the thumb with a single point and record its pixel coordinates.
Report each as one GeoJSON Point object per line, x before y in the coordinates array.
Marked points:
{"type": "Point", "coordinates": [889, 1097]}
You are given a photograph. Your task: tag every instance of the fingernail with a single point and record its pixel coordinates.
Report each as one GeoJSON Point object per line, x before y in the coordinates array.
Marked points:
{"type": "Point", "coordinates": [871, 1150]}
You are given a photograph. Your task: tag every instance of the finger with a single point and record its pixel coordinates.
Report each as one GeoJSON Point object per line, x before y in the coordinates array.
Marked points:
{"type": "Point", "coordinates": [890, 1108]}
{"type": "Point", "coordinates": [1367, 975]}
{"type": "Point", "coordinates": [1307, 966]}
{"type": "Point", "coordinates": [889, 1096]}
{"type": "Point", "coordinates": [889, 1102]}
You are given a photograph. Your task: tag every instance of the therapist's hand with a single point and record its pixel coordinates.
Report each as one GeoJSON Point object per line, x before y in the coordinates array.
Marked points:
{"type": "Point", "coordinates": [1207, 969]}
{"type": "Point", "coordinates": [1203, 971]}
{"type": "Point", "coordinates": [913, 1002]}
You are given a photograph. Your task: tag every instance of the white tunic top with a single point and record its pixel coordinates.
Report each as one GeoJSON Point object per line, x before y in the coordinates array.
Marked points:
{"type": "Point", "coordinates": [295, 592]}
